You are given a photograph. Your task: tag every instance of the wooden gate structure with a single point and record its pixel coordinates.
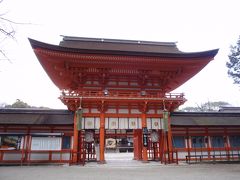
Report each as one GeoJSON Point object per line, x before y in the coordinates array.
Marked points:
{"type": "Point", "coordinates": [114, 84]}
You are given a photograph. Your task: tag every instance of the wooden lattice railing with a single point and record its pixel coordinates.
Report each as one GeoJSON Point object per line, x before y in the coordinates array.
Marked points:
{"type": "Point", "coordinates": [123, 94]}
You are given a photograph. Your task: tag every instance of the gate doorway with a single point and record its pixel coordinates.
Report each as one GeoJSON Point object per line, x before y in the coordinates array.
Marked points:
{"type": "Point", "coordinates": [121, 145]}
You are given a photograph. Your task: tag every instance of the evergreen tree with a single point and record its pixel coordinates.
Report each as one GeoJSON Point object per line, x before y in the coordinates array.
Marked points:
{"type": "Point", "coordinates": [18, 104]}
{"type": "Point", "coordinates": [234, 62]}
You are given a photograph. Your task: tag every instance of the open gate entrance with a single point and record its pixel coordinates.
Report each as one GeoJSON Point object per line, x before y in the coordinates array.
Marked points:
{"type": "Point", "coordinates": [120, 144]}
{"type": "Point", "coordinates": [119, 141]}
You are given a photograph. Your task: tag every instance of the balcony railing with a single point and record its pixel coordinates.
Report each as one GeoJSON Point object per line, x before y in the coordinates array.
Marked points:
{"type": "Point", "coordinates": [122, 95]}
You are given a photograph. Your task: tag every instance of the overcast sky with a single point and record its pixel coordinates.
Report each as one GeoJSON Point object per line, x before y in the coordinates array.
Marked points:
{"type": "Point", "coordinates": [195, 25]}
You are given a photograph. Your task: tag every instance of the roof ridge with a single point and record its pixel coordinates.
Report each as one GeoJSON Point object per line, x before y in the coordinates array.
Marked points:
{"type": "Point", "coordinates": [124, 41]}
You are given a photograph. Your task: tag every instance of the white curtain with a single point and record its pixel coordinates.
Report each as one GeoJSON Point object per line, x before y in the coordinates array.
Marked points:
{"type": "Point", "coordinates": [46, 143]}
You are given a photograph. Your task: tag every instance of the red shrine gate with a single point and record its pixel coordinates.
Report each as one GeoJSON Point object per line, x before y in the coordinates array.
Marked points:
{"type": "Point", "coordinates": [113, 117]}
{"type": "Point", "coordinates": [120, 85]}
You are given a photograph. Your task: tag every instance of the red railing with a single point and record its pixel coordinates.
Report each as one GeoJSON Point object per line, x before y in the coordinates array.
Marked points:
{"type": "Point", "coordinates": [170, 157]}
{"type": "Point", "coordinates": [121, 94]}
{"type": "Point", "coordinates": [24, 156]}
{"type": "Point", "coordinates": [212, 154]}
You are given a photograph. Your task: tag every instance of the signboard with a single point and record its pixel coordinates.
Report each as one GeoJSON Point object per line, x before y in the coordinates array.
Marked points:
{"type": "Point", "coordinates": [111, 143]}
{"type": "Point", "coordinates": [145, 137]}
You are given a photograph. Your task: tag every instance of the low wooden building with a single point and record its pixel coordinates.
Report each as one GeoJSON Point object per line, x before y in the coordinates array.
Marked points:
{"type": "Point", "coordinates": [30, 136]}
{"type": "Point", "coordinates": [35, 136]}
{"type": "Point", "coordinates": [206, 135]}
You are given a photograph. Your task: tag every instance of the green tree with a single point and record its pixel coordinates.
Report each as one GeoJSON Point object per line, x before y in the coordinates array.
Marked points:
{"type": "Point", "coordinates": [206, 107]}
{"type": "Point", "coordinates": [18, 104]}
{"type": "Point", "coordinates": [234, 62]}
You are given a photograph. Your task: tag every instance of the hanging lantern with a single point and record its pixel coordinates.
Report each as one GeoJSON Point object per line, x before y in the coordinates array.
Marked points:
{"type": "Point", "coordinates": [79, 114]}
{"type": "Point", "coordinates": [165, 120]}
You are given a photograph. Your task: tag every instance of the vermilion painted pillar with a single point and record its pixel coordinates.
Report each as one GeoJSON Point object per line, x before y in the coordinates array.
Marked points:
{"type": "Point", "coordinates": [28, 143]}
{"type": "Point", "coordinates": [144, 149]}
{"type": "Point", "coordinates": [169, 136]}
{"type": "Point", "coordinates": [188, 141]}
{"type": "Point", "coordinates": [226, 141]}
{"type": "Point", "coordinates": [207, 140]}
{"type": "Point", "coordinates": [161, 145]}
{"type": "Point", "coordinates": [102, 138]}
{"type": "Point", "coordinates": [75, 140]}
{"type": "Point", "coordinates": [137, 144]}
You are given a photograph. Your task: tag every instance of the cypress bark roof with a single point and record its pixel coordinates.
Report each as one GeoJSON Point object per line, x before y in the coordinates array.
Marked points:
{"type": "Point", "coordinates": [65, 117]}
{"type": "Point", "coordinates": [205, 119]}
{"type": "Point", "coordinates": [75, 61]}
{"type": "Point", "coordinates": [35, 117]}
{"type": "Point", "coordinates": [121, 47]}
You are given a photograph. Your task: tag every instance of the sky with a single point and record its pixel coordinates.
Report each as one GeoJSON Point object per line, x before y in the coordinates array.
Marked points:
{"type": "Point", "coordinates": [194, 25]}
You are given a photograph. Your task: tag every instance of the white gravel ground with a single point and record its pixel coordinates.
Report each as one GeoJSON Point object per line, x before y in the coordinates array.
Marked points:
{"type": "Point", "coordinates": [122, 169]}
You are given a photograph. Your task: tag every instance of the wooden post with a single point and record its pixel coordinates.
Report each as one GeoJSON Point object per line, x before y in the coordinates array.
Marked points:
{"type": "Point", "coordinates": [137, 144]}
{"type": "Point", "coordinates": [75, 140]}
{"type": "Point", "coordinates": [208, 143]}
{"type": "Point", "coordinates": [102, 138]}
{"type": "Point", "coordinates": [188, 142]}
{"type": "Point", "coordinates": [226, 142]}
{"type": "Point", "coordinates": [144, 148]}
{"type": "Point", "coordinates": [169, 136]}
{"type": "Point", "coordinates": [165, 147]}
{"type": "Point", "coordinates": [161, 145]}
{"type": "Point", "coordinates": [27, 144]}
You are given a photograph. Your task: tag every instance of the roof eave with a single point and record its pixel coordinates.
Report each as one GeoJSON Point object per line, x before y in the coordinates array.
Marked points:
{"type": "Point", "coordinates": [37, 44]}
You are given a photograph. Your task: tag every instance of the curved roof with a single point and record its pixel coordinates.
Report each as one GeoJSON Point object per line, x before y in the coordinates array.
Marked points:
{"type": "Point", "coordinates": [76, 59]}
{"type": "Point", "coordinates": [120, 47]}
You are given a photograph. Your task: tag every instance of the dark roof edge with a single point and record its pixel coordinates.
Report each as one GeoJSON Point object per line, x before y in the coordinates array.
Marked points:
{"type": "Point", "coordinates": [202, 126]}
{"type": "Point", "coordinates": [218, 113]}
{"type": "Point", "coordinates": [37, 44]}
{"type": "Point", "coordinates": [33, 111]}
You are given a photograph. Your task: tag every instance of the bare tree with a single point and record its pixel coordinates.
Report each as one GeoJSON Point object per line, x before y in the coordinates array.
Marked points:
{"type": "Point", "coordinates": [206, 107]}
{"type": "Point", "coordinates": [7, 30]}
